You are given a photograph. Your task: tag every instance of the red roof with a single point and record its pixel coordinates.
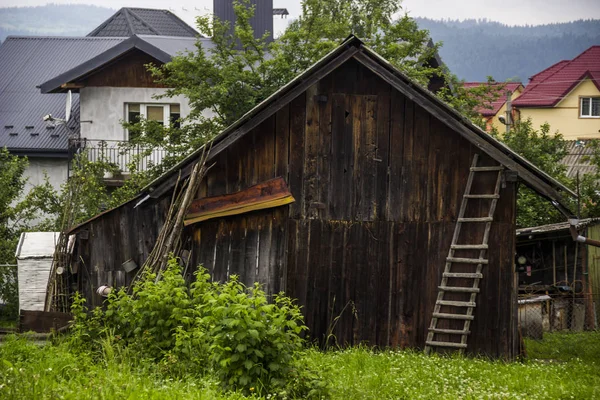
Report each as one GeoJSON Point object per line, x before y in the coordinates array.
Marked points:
{"type": "Point", "coordinates": [492, 109]}
{"type": "Point", "coordinates": [548, 87]}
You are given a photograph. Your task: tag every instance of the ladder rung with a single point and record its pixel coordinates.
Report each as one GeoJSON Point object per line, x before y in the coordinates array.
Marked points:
{"type": "Point", "coordinates": [485, 169]}
{"type": "Point", "coordinates": [467, 260]}
{"type": "Point", "coordinates": [455, 303]}
{"type": "Point", "coordinates": [446, 344]}
{"type": "Point", "coordinates": [469, 247]}
{"type": "Point", "coordinates": [453, 316]}
{"type": "Point", "coordinates": [458, 289]}
{"type": "Point", "coordinates": [483, 219]}
{"type": "Point", "coordinates": [449, 331]}
{"type": "Point", "coordinates": [481, 196]}
{"type": "Point", "coordinates": [467, 275]}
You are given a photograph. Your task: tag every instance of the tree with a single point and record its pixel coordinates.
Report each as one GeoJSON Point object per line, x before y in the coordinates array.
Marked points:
{"type": "Point", "coordinates": [239, 71]}
{"type": "Point", "coordinates": [589, 184]}
{"type": "Point", "coordinates": [16, 213]}
{"type": "Point", "coordinates": [545, 150]}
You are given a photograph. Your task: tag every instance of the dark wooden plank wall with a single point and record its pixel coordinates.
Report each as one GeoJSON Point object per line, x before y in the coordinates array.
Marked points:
{"type": "Point", "coordinates": [379, 183]}
{"type": "Point", "coordinates": [250, 246]}
{"type": "Point", "coordinates": [128, 71]}
{"type": "Point", "coordinates": [110, 240]}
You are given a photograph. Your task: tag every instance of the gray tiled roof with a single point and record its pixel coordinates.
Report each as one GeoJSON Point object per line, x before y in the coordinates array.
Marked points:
{"type": "Point", "coordinates": [26, 62]}
{"type": "Point", "coordinates": [143, 21]}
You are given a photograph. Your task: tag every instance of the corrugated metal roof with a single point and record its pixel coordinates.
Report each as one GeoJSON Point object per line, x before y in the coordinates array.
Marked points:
{"type": "Point", "coordinates": [561, 226]}
{"type": "Point", "coordinates": [25, 63]}
{"type": "Point", "coordinates": [175, 45]}
{"type": "Point", "coordinates": [578, 158]}
{"type": "Point", "coordinates": [36, 244]}
{"type": "Point", "coordinates": [143, 21]}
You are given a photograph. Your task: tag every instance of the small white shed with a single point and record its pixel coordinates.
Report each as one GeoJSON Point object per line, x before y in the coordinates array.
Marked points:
{"type": "Point", "coordinates": [34, 260]}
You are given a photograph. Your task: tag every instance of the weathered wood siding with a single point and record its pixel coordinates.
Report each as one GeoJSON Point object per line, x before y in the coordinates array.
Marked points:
{"type": "Point", "coordinates": [127, 71]}
{"type": "Point", "coordinates": [378, 183]}
{"type": "Point", "coordinates": [111, 239]}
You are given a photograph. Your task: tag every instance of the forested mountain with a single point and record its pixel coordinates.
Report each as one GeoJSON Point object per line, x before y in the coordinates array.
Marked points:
{"type": "Point", "coordinates": [474, 49]}
{"type": "Point", "coordinates": [52, 20]}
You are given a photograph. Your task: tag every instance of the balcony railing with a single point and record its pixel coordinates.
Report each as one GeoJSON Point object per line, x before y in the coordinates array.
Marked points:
{"type": "Point", "coordinates": [119, 153]}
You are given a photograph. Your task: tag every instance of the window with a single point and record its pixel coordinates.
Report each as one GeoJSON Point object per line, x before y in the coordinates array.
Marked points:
{"type": "Point", "coordinates": [164, 114]}
{"type": "Point", "coordinates": [174, 116]}
{"type": "Point", "coordinates": [590, 107]}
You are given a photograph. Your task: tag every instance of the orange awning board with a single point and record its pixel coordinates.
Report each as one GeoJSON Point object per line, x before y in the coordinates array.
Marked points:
{"type": "Point", "coordinates": [268, 194]}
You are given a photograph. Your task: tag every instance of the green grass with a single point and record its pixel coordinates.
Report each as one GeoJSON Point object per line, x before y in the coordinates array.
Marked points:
{"type": "Point", "coordinates": [8, 323]}
{"type": "Point", "coordinates": [362, 374]}
{"type": "Point", "coordinates": [565, 346]}
{"type": "Point", "coordinates": [28, 371]}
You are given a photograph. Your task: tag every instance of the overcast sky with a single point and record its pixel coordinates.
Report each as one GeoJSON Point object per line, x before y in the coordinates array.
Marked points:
{"type": "Point", "coordinates": [513, 12]}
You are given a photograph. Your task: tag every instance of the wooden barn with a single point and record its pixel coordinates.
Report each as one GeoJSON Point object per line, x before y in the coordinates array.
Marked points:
{"type": "Point", "coordinates": [357, 192]}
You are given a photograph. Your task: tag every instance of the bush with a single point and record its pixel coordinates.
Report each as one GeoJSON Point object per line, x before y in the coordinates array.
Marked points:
{"type": "Point", "coordinates": [227, 329]}
{"type": "Point", "coordinates": [252, 343]}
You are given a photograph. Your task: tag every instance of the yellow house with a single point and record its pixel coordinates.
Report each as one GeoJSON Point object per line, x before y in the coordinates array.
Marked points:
{"type": "Point", "coordinates": [493, 110]}
{"type": "Point", "coordinates": [567, 96]}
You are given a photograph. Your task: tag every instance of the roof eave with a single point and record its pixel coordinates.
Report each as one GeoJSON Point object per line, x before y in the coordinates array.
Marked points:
{"type": "Point", "coordinates": [55, 85]}
{"type": "Point", "coordinates": [39, 152]}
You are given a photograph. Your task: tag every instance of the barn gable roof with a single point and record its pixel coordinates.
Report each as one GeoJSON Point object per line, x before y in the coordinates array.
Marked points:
{"type": "Point", "coordinates": [354, 48]}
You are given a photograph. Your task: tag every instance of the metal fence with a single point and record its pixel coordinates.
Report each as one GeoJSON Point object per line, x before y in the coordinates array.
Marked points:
{"type": "Point", "coordinates": [119, 153]}
{"type": "Point", "coordinates": [564, 323]}
{"type": "Point", "coordinates": [543, 313]}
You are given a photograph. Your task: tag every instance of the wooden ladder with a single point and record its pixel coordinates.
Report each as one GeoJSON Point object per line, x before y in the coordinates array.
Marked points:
{"type": "Point", "coordinates": [475, 275]}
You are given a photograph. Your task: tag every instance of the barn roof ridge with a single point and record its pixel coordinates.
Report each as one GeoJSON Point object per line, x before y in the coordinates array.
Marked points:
{"type": "Point", "coordinates": [353, 42]}
{"type": "Point", "coordinates": [354, 48]}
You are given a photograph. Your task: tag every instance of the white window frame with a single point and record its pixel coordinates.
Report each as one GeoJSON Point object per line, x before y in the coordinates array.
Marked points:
{"type": "Point", "coordinates": [581, 107]}
{"type": "Point", "coordinates": [144, 111]}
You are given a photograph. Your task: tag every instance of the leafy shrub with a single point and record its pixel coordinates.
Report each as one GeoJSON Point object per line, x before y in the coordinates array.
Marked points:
{"type": "Point", "coordinates": [252, 343]}
{"type": "Point", "coordinates": [157, 308]}
{"type": "Point", "coordinates": [248, 343]}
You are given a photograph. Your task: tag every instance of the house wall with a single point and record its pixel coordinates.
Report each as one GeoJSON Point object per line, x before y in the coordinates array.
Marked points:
{"type": "Point", "coordinates": [378, 183]}
{"type": "Point", "coordinates": [564, 117]}
{"type": "Point", "coordinates": [55, 168]}
{"type": "Point", "coordinates": [103, 109]}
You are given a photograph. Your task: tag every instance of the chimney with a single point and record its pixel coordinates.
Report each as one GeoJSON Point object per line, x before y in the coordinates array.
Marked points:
{"type": "Point", "coordinates": [261, 22]}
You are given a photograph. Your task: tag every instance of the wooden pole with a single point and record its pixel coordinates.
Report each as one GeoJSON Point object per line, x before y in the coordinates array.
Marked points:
{"type": "Point", "coordinates": [554, 262]}
{"type": "Point", "coordinates": [575, 263]}
{"type": "Point", "coordinates": [587, 289]}
{"type": "Point", "coordinates": [566, 266]}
